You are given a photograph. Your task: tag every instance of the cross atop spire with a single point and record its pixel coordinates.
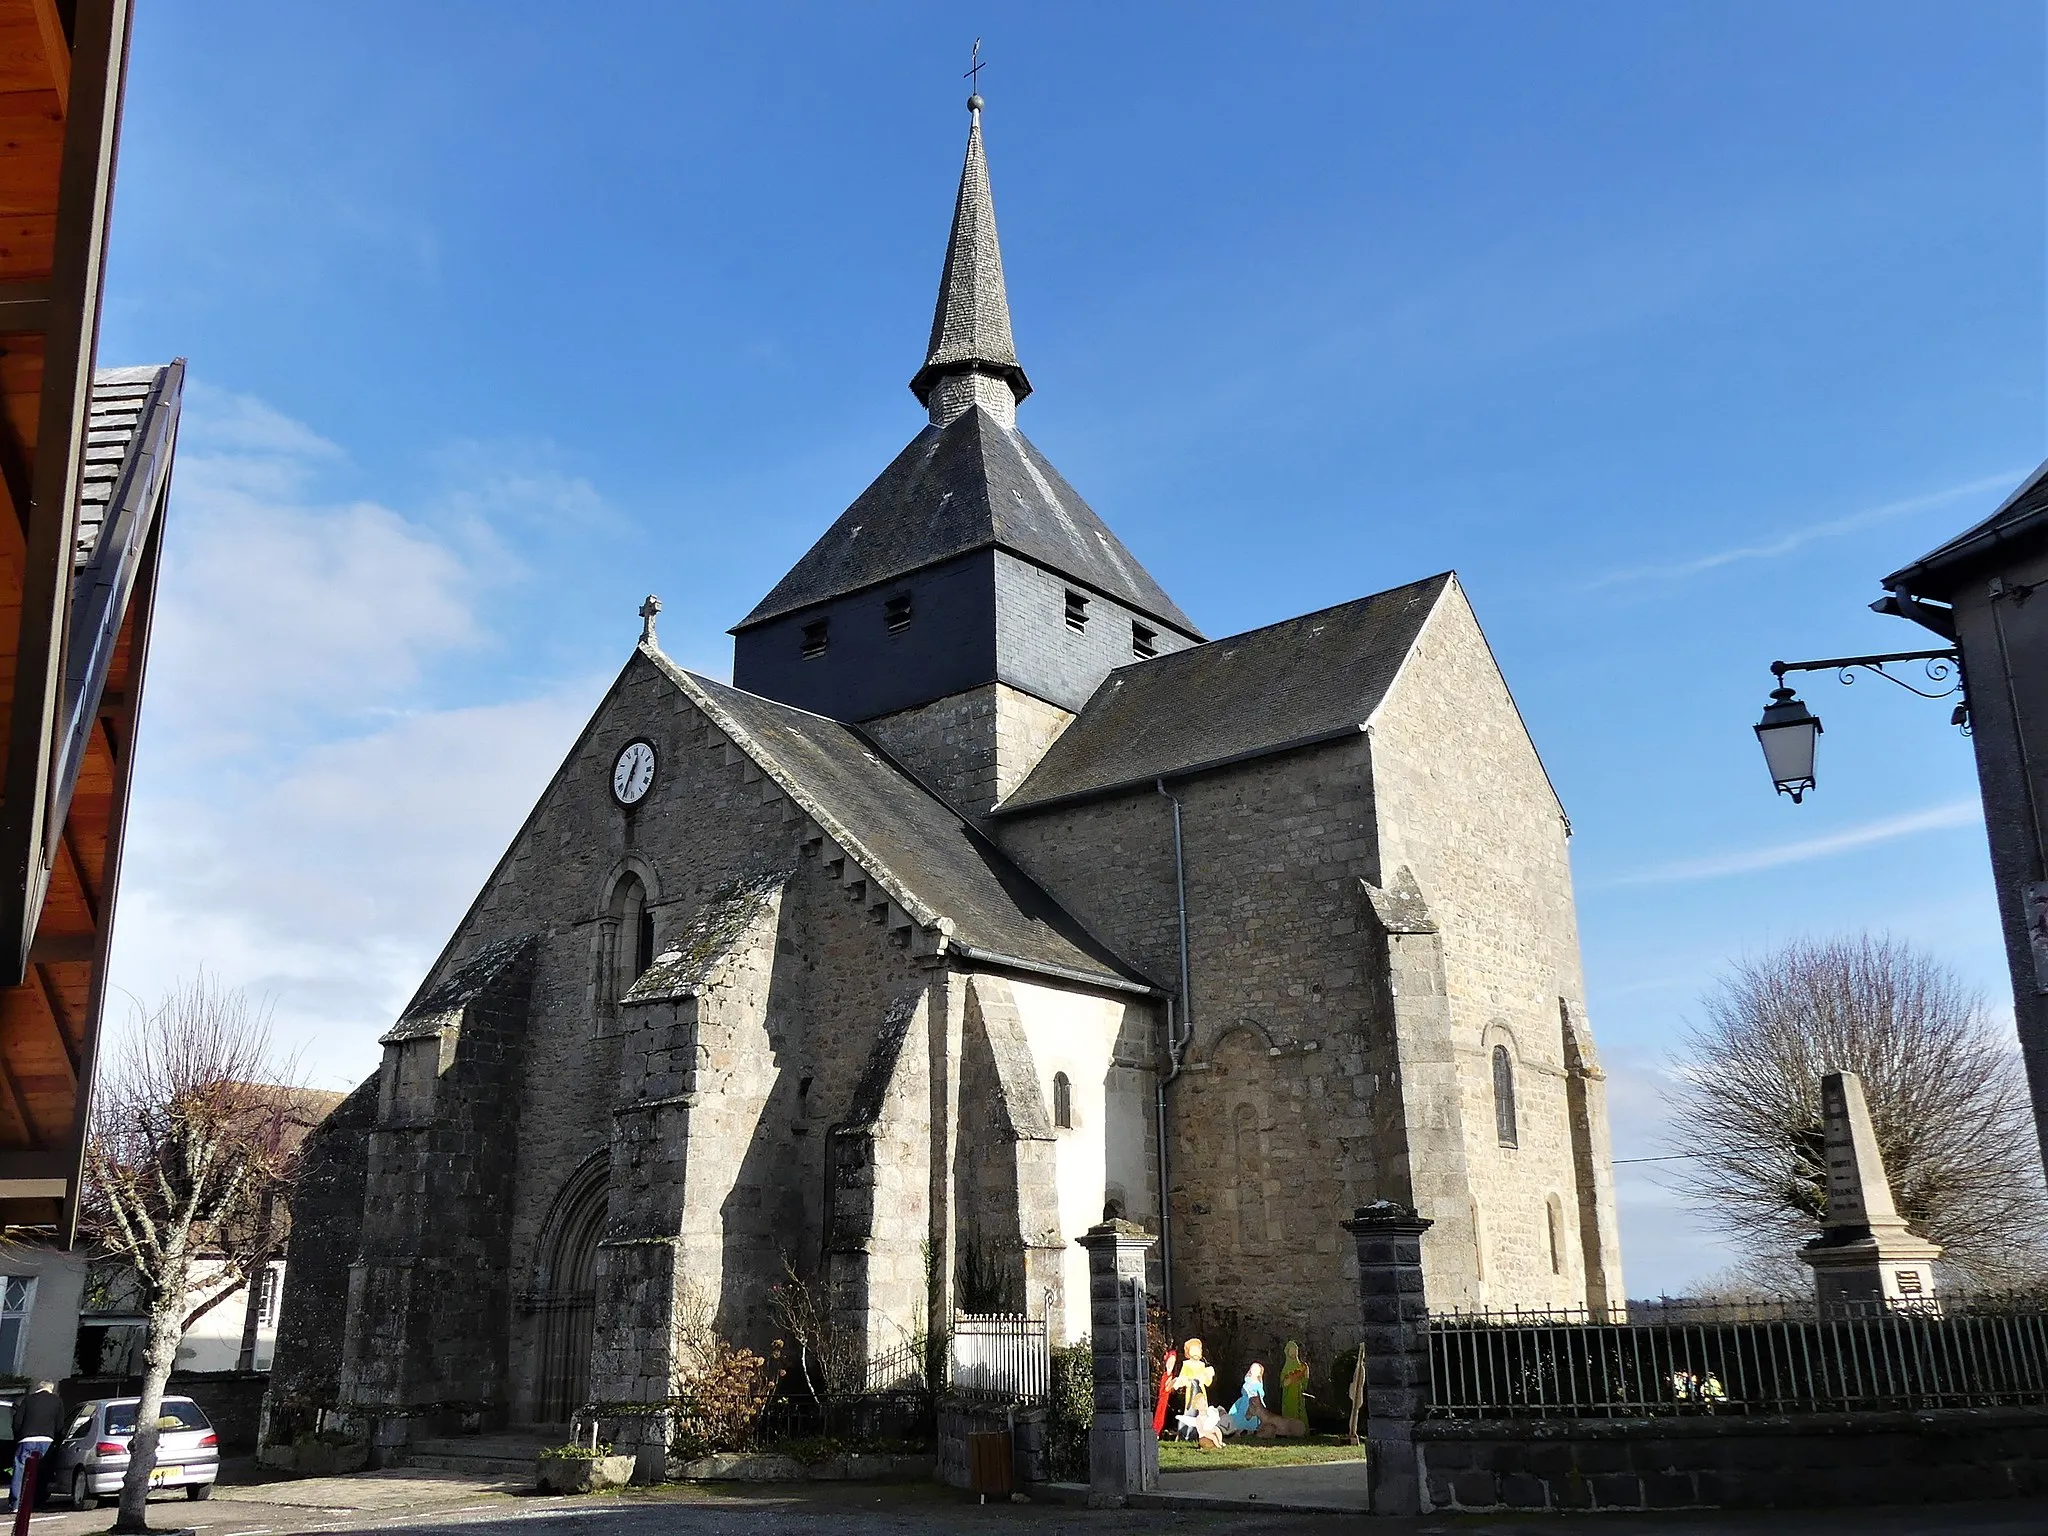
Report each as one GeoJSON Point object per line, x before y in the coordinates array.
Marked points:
{"type": "Point", "coordinates": [972, 360]}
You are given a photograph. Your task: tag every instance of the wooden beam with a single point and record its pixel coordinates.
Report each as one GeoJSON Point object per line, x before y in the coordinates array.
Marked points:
{"type": "Point", "coordinates": [24, 308]}
{"type": "Point", "coordinates": [86, 894]}
{"type": "Point", "coordinates": [56, 1015]}
{"type": "Point", "coordinates": [29, 1132]}
{"type": "Point", "coordinates": [56, 49]}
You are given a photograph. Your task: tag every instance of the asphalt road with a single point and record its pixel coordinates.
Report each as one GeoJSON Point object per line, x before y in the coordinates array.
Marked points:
{"type": "Point", "coordinates": [393, 1502]}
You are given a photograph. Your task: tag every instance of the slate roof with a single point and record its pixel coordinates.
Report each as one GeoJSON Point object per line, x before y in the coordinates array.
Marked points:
{"type": "Point", "coordinates": [972, 484]}
{"type": "Point", "coordinates": [1308, 679]}
{"type": "Point", "coordinates": [471, 980]}
{"type": "Point", "coordinates": [972, 322]}
{"type": "Point", "coordinates": [938, 868]}
{"type": "Point", "coordinates": [2023, 514]}
{"type": "Point", "coordinates": [690, 956]}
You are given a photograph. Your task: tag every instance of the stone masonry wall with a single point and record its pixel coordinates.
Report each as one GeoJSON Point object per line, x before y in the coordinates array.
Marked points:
{"type": "Point", "coordinates": [1465, 803]}
{"type": "Point", "coordinates": [1270, 1126]}
{"type": "Point", "coordinates": [974, 747]}
{"type": "Point", "coordinates": [1741, 1462]}
{"type": "Point", "coordinates": [429, 1293]}
{"type": "Point", "coordinates": [327, 1220]}
{"type": "Point", "coordinates": [711, 820]}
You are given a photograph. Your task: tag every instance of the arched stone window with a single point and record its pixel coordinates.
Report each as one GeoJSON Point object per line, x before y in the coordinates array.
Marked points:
{"type": "Point", "coordinates": [1062, 1102]}
{"type": "Point", "coordinates": [1553, 1218]}
{"type": "Point", "coordinates": [1504, 1098]}
{"type": "Point", "coordinates": [635, 931]}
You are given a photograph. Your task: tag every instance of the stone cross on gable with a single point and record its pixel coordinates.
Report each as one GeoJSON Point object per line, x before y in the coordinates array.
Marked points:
{"type": "Point", "coordinates": [1859, 1191]}
{"type": "Point", "coordinates": [648, 610]}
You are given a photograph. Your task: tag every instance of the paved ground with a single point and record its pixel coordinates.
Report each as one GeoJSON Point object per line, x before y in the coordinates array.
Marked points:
{"type": "Point", "coordinates": [396, 1502]}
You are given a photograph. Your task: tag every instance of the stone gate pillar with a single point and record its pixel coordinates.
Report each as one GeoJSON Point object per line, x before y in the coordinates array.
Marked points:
{"type": "Point", "coordinates": [1395, 1343]}
{"type": "Point", "coordinates": [1123, 1453]}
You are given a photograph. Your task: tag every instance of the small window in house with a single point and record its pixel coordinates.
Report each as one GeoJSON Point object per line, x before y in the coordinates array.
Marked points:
{"type": "Point", "coordinates": [1062, 1102]}
{"type": "Point", "coordinates": [266, 1298]}
{"type": "Point", "coordinates": [17, 1293]}
{"type": "Point", "coordinates": [896, 613]}
{"type": "Point", "coordinates": [1144, 642]}
{"type": "Point", "coordinates": [643, 942]}
{"type": "Point", "coordinates": [1077, 610]}
{"type": "Point", "coordinates": [814, 639]}
{"type": "Point", "coordinates": [1504, 1097]}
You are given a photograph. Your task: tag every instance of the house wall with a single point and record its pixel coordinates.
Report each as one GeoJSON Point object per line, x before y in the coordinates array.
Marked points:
{"type": "Point", "coordinates": [49, 1342]}
{"type": "Point", "coordinates": [2004, 642]}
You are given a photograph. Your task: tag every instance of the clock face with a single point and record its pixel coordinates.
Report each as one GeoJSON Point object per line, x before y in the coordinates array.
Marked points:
{"type": "Point", "coordinates": [633, 773]}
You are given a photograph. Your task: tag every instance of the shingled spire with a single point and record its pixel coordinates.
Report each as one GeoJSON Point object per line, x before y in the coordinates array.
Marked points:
{"type": "Point", "coordinates": [972, 360]}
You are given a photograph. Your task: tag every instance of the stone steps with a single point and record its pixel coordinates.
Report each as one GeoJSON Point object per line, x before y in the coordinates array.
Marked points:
{"type": "Point", "coordinates": [477, 1455]}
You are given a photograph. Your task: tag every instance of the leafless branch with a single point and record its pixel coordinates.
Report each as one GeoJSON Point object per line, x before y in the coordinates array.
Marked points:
{"type": "Point", "coordinates": [1946, 1096]}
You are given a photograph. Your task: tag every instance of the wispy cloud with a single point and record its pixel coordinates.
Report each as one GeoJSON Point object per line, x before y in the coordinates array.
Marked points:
{"type": "Point", "coordinates": [1770, 549]}
{"type": "Point", "coordinates": [1957, 813]}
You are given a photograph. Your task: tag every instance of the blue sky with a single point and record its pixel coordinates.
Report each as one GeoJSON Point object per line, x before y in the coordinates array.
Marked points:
{"type": "Point", "coordinates": [1670, 327]}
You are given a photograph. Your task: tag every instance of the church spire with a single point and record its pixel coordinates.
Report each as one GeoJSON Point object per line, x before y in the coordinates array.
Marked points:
{"type": "Point", "coordinates": [972, 360]}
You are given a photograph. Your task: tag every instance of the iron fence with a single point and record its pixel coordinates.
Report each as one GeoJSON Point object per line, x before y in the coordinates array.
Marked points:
{"type": "Point", "coordinates": [901, 1369]}
{"type": "Point", "coordinates": [1001, 1355]}
{"type": "Point", "coordinates": [1737, 1358]}
{"type": "Point", "coordinates": [904, 1415]}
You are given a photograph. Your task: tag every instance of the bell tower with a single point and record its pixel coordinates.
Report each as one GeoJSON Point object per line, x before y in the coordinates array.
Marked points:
{"type": "Point", "coordinates": [969, 601]}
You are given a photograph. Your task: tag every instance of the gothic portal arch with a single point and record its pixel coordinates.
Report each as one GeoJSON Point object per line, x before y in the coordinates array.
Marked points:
{"type": "Point", "coordinates": [565, 1291]}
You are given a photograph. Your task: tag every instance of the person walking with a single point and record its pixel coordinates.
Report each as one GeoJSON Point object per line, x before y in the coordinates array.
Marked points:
{"type": "Point", "coordinates": [36, 1422]}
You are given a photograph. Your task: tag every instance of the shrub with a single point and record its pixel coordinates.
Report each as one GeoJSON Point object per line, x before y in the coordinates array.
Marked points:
{"type": "Point", "coordinates": [1069, 1410]}
{"type": "Point", "coordinates": [720, 1403]}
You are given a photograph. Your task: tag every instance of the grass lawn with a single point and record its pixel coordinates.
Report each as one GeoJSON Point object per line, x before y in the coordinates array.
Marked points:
{"type": "Point", "coordinates": [1186, 1456]}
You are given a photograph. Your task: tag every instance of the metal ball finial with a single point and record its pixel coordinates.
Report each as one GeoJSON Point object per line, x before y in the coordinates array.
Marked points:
{"type": "Point", "coordinates": [974, 103]}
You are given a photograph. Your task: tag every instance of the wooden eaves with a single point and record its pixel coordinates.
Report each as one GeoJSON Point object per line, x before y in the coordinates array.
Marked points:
{"type": "Point", "coordinates": [75, 593]}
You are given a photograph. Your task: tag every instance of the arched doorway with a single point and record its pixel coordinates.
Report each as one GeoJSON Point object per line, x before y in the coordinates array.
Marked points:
{"type": "Point", "coordinates": [566, 1293]}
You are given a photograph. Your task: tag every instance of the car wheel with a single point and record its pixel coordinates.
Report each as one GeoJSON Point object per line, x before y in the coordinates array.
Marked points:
{"type": "Point", "coordinates": [82, 1496]}
{"type": "Point", "coordinates": [199, 1490]}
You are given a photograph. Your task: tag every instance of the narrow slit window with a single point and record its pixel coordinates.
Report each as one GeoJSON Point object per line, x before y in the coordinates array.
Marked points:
{"type": "Point", "coordinates": [1062, 1102]}
{"type": "Point", "coordinates": [643, 943]}
{"type": "Point", "coordinates": [1504, 1097]}
{"type": "Point", "coordinates": [1553, 1219]}
{"type": "Point", "coordinates": [1077, 611]}
{"type": "Point", "coordinates": [1144, 642]}
{"type": "Point", "coordinates": [814, 639]}
{"type": "Point", "coordinates": [896, 612]}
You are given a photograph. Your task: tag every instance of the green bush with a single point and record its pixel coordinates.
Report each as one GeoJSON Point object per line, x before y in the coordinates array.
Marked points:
{"type": "Point", "coordinates": [1069, 1412]}
{"type": "Point", "coordinates": [574, 1452]}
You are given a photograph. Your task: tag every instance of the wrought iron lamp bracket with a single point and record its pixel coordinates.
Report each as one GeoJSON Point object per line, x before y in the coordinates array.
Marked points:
{"type": "Point", "coordinates": [1941, 667]}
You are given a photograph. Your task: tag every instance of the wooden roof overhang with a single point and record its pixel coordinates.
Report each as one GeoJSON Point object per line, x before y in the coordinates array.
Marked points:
{"type": "Point", "coordinates": [75, 593]}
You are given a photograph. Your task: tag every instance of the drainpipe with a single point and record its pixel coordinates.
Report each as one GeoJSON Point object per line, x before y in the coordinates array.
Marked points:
{"type": "Point", "coordinates": [1179, 1031]}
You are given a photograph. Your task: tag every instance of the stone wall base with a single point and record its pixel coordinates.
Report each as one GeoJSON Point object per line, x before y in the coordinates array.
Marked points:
{"type": "Point", "coordinates": [1755, 1462]}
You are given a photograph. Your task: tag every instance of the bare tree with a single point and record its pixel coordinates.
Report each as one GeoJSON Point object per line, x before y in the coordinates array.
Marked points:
{"type": "Point", "coordinates": [1943, 1082]}
{"type": "Point", "coordinates": [193, 1143]}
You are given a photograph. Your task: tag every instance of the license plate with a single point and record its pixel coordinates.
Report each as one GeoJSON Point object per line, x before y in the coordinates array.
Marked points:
{"type": "Point", "coordinates": [158, 1476]}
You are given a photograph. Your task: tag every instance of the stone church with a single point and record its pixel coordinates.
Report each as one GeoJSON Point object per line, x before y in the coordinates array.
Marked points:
{"type": "Point", "coordinates": [988, 894]}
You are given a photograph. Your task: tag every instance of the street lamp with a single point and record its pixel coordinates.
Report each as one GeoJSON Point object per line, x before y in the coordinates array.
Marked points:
{"type": "Point", "coordinates": [1787, 733]}
{"type": "Point", "coordinates": [1789, 730]}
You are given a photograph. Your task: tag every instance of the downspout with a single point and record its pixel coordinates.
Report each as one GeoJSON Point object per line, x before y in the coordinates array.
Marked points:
{"type": "Point", "coordinates": [1179, 1031]}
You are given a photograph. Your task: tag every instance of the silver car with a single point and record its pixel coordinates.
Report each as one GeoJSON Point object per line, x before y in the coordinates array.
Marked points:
{"type": "Point", "coordinates": [92, 1458]}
